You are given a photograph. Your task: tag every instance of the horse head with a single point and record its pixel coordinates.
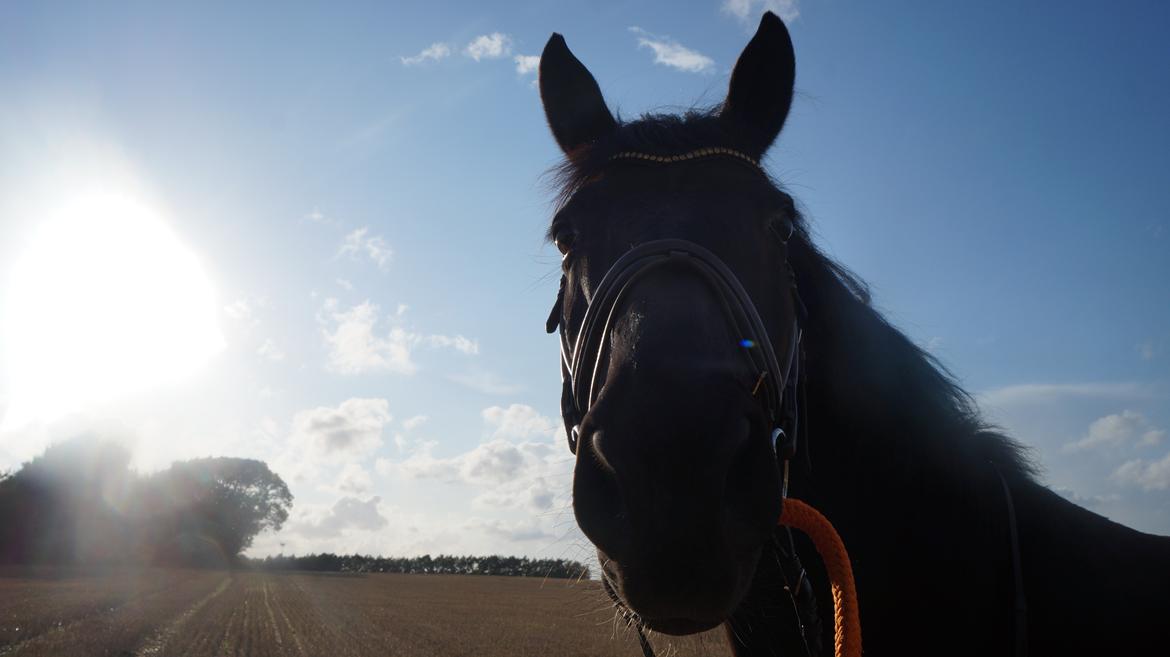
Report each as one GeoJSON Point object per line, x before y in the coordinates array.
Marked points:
{"type": "Point", "coordinates": [678, 319]}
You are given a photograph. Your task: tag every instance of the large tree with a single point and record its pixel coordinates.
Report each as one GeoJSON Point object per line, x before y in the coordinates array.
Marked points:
{"type": "Point", "coordinates": [226, 500]}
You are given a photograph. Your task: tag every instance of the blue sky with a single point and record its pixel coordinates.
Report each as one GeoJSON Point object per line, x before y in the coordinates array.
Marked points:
{"type": "Point", "coordinates": [362, 189]}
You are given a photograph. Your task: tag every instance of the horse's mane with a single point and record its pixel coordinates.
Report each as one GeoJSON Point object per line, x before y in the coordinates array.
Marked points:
{"type": "Point", "coordinates": [893, 390]}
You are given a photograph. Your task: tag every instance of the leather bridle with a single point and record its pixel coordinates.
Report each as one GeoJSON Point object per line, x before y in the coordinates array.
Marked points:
{"type": "Point", "coordinates": [775, 380]}
{"type": "Point", "coordinates": [580, 365]}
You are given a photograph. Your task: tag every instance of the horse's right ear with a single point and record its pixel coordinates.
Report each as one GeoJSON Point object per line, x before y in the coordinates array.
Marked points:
{"type": "Point", "coordinates": [760, 92]}
{"type": "Point", "coordinates": [573, 104]}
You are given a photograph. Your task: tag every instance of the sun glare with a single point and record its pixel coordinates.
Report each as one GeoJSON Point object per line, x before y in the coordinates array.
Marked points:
{"type": "Point", "coordinates": [104, 303]}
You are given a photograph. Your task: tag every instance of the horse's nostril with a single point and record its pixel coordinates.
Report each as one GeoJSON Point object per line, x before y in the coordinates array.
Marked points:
{"type": "Point", "coordinates": [597, 497]}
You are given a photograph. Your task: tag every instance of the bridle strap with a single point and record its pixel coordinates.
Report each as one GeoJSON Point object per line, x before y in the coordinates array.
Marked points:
{"type": "Point", "coordinates": [582, 365]}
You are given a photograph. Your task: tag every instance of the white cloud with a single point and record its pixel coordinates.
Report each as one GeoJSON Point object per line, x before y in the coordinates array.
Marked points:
{"type": "Point", "coordinates": [344, 284]}
{"type": "Point", "coordinates": [485, 382]}
{"type": "Point", "coordinates": [318, 217]}
{"type": "Point", "coordinates": [526, 64]}
{"type": "Point", "coordinates": [348, 513]}
{"type": "Point", "coordinates": [751, 10]}
{"type": "Point", "coordinates": [432, 53]}
{"type": "Point", "coordinates": [522, 474]}
{"type": "Point", "coordinates": [518, 421]}
{"type": "Point", "coordinates": [414, 422]}
{"type": "Point", "coordinates": [375, 247]}
{"type": "Point", "coordinates": [457, 342]}
{"type": "Point", "coordinates": [348, 432]}
{"type": "Point", "coordinates": [355, 346]}
{"type": "Point", "coordinates": [1033, 393]}
{"type": "Point", "coordinates": [669, 52]}
{"type": "Point", "coordinates": [270, 351]}
{"type": "Point", "coordinates": [489, 46]}
{"type": "Point", "coordinates": [1153, 475]}
{"type": "Point", "coordinates": [1117, 430]}
{"type": "Point", "coordinates": [354, 480]}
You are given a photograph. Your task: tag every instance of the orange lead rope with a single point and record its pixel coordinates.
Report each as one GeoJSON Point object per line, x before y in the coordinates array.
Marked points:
{"type": "Point", "coordinates": [846, 620]}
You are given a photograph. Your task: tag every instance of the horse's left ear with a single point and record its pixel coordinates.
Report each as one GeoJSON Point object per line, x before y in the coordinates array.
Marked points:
{"type": "Point", "coordinates": [573, 103]}
{"type": "Point", "coordinates": [760, 92]}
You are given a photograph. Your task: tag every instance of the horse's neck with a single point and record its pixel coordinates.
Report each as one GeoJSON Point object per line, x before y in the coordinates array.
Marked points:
{"type": "Point", "coordinates": [1093, 586]}
{"type": "Point", "coordinates": [933, 558]}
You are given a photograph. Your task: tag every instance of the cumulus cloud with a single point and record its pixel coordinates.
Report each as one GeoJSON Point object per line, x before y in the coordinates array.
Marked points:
{"type": "Point", "coordinates": [669, 52]}
{"type": "Point", "coordinates": [431, 53]}
{"type": "Point", "coordinates": [1147, 475]}
{"type": "Point", "coordinates": [526, 64]}
{"type": "Point", "coordinates": [348, 513]}
{"type": "Point", "coordinates": [751, 10]}
{"type": "Point", "coordinates": [1117, 430]}
{"type": "Point", "coordinates": [523, 473]}
{"type": "Point", "coordinates": [354, 480]}
{"type": "Point", "coordinates": [518, 421]}
{"type": "Point", "coordinates": [356, 347]}
{"type": "Point", "coordinates": [358, 243]}
{"type": "Point", "coordinates": [489, 46]}
{"type": "Point", "coordinates": [345, 433]}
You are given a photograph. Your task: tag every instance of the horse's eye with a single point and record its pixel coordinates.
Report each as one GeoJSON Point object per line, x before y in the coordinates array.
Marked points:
{"type": "Point", "coordinates": [781, 224]}
{"type": "Point", "coordinates": [564, 241]}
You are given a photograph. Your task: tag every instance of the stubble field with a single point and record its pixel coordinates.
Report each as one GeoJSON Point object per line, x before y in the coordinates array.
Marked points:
{"type": "Point", "coordinates": [196, 613]}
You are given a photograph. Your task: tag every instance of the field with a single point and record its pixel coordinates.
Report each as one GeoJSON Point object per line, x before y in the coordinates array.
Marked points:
{"type": "Point", "coordinates": [194, 613]}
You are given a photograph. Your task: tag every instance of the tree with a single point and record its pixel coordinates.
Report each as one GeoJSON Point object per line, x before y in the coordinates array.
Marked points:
{"type": "Point", "coordinates": [226, 500]}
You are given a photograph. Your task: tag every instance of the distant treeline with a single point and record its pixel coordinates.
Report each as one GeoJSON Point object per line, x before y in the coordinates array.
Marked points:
{"type": "Point", "coordinates": [80, 503]}
{"type": "Point", "coordinates": [442, 564]}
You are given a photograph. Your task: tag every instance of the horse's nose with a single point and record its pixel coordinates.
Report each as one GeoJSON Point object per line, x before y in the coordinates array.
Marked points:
{"type": "Point", "coordinates": [598, 501]}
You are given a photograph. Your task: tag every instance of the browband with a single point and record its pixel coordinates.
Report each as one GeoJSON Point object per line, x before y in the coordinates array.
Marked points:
{"type": "Point", "coordinates": [690, 155]}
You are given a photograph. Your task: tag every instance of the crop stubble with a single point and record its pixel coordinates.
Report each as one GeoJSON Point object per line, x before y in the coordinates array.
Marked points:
{"type": "Point", "coordinates": [168, 613]}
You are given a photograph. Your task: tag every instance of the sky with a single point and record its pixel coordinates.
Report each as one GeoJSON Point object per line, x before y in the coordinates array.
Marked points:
{"type": "Point", "coordinates": [314, 236]}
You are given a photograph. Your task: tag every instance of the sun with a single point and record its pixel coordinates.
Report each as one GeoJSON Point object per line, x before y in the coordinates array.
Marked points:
{"type": "Point", "coordinates": [103, 303]}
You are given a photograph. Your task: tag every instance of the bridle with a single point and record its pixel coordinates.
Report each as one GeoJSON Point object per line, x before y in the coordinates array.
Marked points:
{"type": "Point", "coordinates": [580, 363]}
{"type": "Point", "coordinates": [775, 380]}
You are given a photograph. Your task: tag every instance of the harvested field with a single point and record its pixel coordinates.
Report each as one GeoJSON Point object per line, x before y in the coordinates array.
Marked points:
{"type": "Point", "coordinates": [194, 613]}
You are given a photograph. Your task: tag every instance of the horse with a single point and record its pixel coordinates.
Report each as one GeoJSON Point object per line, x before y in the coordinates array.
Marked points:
{"type": "Point", "coordinates": [716, 361]}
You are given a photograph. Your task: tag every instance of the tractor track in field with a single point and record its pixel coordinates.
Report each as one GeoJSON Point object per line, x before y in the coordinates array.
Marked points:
{"type": "Point", "coordinates": [65, 626]}
{"type": "Point", "coordinates": [158, 640]}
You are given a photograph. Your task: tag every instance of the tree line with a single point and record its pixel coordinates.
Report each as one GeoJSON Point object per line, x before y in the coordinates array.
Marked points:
{"type": "Point", "coordinates": [426, 564]}
{"type": "Point", "coordinates": [80, 503]}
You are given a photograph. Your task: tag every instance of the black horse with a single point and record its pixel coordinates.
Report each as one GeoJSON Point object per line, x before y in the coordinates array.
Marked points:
{"type": "Point", "coordinates": [708, 346]}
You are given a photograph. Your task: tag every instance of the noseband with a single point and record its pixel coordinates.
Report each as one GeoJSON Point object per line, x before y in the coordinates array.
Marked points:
{"type": "Point", "coordinates": [582, 364]}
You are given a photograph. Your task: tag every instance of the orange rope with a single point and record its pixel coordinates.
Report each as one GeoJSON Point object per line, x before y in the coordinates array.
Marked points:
{"type": "Point", "coordinates": [846, 621]}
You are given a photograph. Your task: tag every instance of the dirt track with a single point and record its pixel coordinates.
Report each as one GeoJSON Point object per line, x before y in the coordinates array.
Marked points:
{"type": "Point", "coordinates": [162, 613]}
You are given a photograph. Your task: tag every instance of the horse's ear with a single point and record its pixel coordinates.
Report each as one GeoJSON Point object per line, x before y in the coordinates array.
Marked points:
{"type": "Point", "coordinates": [572, 100]}
{"type": "Point", "coordinates": [760, 92]}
